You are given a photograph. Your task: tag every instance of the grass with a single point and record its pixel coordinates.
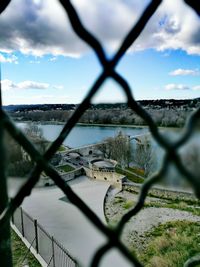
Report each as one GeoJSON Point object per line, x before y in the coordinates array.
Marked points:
{"type": "Point", "coordinates": [172, 244]}
{"type": "Point", "coordinates": [19, 250]}
{"type": "Point", "coordinates": [191, 204]}
{"type": "Point", "coordinates": [62, 148]}
{"type": "Point", "coordinates": [128, 204]}
{"type": "Point", "coordinates": [175, 199]}
{"type": "Point", "coordinates": [66, 168]}
{"type": "Point", "coordinates": [119, 199]}
{"type": "Point", "coordinates": [130, 176]}
{"type": "Point", "coordinates": [179, 205]}
{"type": "Point", "coordinates": [136, 171]}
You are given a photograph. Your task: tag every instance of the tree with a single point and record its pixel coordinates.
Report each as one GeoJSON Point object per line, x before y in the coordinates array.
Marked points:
{"type": "Point", "coordinates": [33, 131]}
{"type": "Point", "coordinates": [191, 158]}
{"type": "Point", "coordinates": [19, 162]}
{"type": "Point", "coordinates": [16, 164]}
{"type": "Point", "coordinates": [117, 148]}
{"type": "Point", "coordinates": [144, 156]}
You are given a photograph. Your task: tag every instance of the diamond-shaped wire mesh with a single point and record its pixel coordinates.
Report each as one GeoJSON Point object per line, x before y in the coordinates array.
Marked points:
{"type": "Point", "coordinates": [108, 71]}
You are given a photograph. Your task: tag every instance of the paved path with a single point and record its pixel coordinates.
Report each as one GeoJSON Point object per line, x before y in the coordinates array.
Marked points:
{"type": "Point", "coordinates": [68, 225]}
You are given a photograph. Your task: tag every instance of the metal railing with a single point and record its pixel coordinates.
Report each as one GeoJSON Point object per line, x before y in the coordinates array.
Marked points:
{"type": "Point", "coordinates": [52, 252]}
{"type": "Point", "coordinates": [7, 208]}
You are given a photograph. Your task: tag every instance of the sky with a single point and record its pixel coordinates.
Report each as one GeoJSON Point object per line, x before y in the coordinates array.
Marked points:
{"type": "Point", "coordinates": [43, 61]}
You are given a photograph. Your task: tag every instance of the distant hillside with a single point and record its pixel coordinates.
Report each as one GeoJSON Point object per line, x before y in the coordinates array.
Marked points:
{"type": "Point", "coordinates": [42, 107]}
{"type": "Point", "coordinates": [163, 103]}
{"type": "Point", "coordinates": [165, 113]}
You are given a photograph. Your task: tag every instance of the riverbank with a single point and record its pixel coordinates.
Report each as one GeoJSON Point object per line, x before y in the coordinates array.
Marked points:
{"type": "Point", "coordinates": [98, 125]}
{"type": "Point", "coordinates": [164, 113]}
{"type": "Point", "coordinates": [126, 126]}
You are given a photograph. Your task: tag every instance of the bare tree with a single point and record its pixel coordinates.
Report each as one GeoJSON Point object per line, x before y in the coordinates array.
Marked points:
{"type": "Point", "coordinates": [16, 164]}
{"type": "Point", "coordinates": [34, 131]}
{"type": "Point", "coordinates": [191, 159]}
{"type": "Point", "coordinates": [105, 148]}
{"type": "Point", "coordinates": [144, 156]}
{"type": "Point", "coordinates": [118, 148]}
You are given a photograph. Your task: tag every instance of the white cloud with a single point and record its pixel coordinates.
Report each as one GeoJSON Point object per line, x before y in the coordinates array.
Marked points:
{"type": "Point", "coordinates": [196, 88]}
{"type": "Point", "coordinates": [34, 62]}
{"type": "Point", "coordinates": [9, 85]}
{"type": "Point", "coordinates": [8, 59]}
{"type": "Point", "coordinates": [53, 59]}
{"type": "Point", "coordinates": [185, 72]}
{"type": "Point", "coordinates": [173, 86]}
{"type": "Point", "coordinates": [180, 87]}
{"type": "Point", "coordinates": [59, 87]}
{"type": "Point", "coordinates": [32, 85]}
{"type": "Point", "coordinates": [174, 26]}
{"type": "Point", "coordinates": [41, 27]}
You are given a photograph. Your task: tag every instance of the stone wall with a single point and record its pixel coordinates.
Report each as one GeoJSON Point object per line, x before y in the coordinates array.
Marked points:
{"type": "Point", "coordinates": [68, 176]}
{"type": "Point", "coordinates": [84, 150]}
{"type": "Point", "coordinates": [162, 192]}
{"type": "Point", "coordinates": [112, 177]}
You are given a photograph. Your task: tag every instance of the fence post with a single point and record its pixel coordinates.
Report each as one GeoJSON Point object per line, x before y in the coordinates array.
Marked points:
{"type": "Point", "coordinates": [53, 252]}
{"type": "Point", "coordinates": [5, 242]}
{"type": "Point", "coordinates": [22, 221]}
{"type": "Point", "coordinates": [36, 237]}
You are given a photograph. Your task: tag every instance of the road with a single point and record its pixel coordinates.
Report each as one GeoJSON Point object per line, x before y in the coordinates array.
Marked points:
{"type": "Point", "coordinates": [68, 225]}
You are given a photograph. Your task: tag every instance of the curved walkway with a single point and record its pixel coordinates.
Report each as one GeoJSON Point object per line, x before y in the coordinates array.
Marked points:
{"type": "Point", "coordinates": [68, 225]}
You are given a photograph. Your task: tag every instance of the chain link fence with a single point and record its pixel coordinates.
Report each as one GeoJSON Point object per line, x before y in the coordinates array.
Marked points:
{"type": "Point", "coordinates": [7, 208]}
{"type": "Point", "coordinates": [52, 252]}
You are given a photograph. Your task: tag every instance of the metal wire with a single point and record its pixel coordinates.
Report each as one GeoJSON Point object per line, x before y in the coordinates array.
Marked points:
{"type": "Point", "coordinates": [108, 71]}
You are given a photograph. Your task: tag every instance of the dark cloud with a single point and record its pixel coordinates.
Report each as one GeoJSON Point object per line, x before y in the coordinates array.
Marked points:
{"type": "Point", "coordinates": [42, 27]}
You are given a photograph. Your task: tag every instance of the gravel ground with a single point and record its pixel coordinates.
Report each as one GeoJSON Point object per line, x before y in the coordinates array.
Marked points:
{"type": "Point", "coordinates": [134, 234]}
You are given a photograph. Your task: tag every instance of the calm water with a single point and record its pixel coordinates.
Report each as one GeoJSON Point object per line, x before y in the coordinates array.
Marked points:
{"type": "Point", "coordinates": [85, 135]}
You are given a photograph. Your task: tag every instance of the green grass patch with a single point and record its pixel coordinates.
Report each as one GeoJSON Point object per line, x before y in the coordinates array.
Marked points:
{"type": "Point", "coordinates": [66, 168]}
{"type": "Point", "coordinates": [172, 244]}
{"type": "Point", "coordinates": [62, 148]}
{"type": "Point", "coordinates": [136, 171]}
{"type": "Point", "coordinates": [128, 204]}
{"type": "Point", "coordinates": [130, 176]}
{"type": "Point", "coordinates": [179, 205]}
{"type": "Point", "coordinates": [175, 199]}
{"type": "Point", "coordinates": [119, 199]}
{"type": "Point", "coordinates": [19, 250]}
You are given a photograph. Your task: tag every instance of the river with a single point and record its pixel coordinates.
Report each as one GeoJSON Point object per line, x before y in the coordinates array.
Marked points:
{"type": "Point", "coordinates": [85, 135]}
